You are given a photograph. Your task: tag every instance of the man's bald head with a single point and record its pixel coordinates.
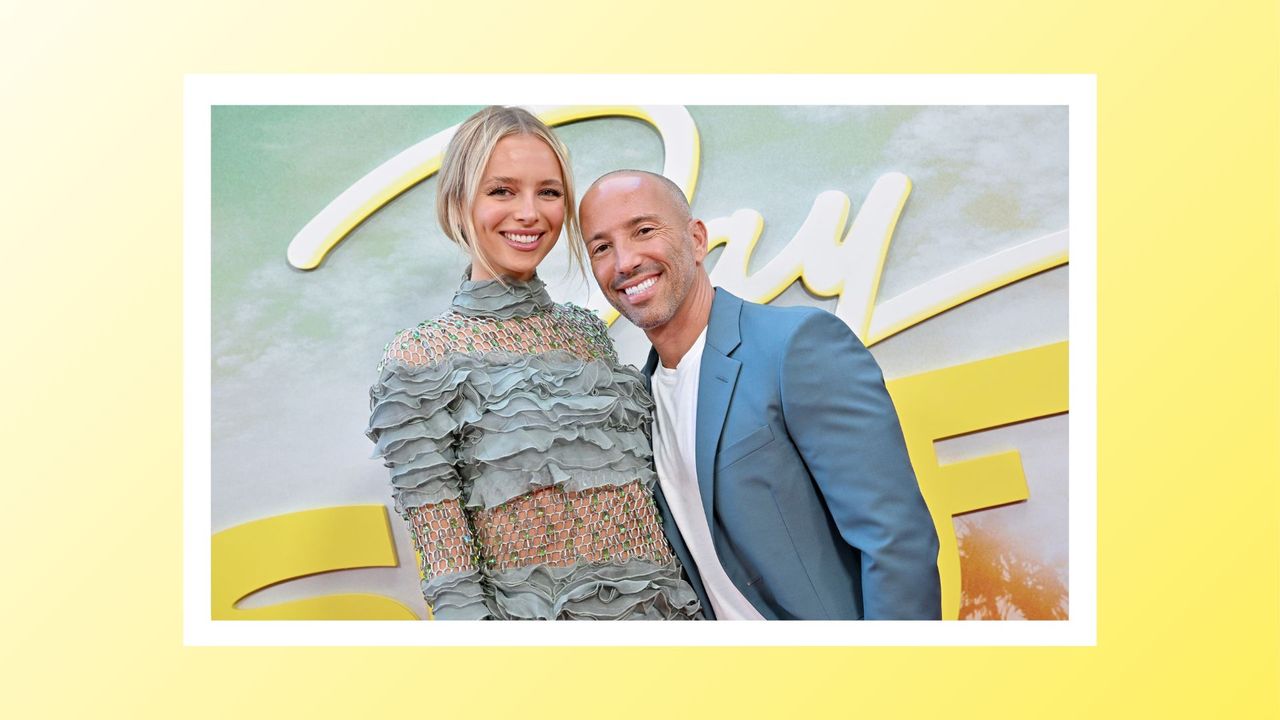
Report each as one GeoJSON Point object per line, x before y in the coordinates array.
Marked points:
{"type": "Point", "coordinates": [670, 190]}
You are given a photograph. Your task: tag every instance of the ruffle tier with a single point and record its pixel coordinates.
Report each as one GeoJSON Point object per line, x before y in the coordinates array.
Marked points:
{"type": "Point", "coordinates": [514, 423]}
{"type": "Point", "coordinates": [457, 596]}
{"type": "Point", "coordinates": [632, 590]}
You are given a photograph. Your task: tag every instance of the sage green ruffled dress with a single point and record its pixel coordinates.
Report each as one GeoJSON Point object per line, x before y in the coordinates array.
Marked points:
{"type": "Point", "coordinates": [520, 460]}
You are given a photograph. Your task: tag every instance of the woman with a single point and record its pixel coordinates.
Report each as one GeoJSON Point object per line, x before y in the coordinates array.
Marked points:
{"type": "Point", "coordinates": [517, 443]}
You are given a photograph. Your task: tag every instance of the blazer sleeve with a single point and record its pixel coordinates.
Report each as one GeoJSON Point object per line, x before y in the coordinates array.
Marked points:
{"type": "Point", "coordinates": [842, 421]}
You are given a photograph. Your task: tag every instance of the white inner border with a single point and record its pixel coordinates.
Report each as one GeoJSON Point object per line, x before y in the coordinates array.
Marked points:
{"type": "Point", "coordinates": [202, 92]}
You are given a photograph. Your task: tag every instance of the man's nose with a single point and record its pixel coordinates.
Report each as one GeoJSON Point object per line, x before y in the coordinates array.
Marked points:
{"type": "Point", "coordinates": [626, 260]}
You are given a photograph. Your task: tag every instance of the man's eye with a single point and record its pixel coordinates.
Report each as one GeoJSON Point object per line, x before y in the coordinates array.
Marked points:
{"type": "Point", "coordinates": [644, 230]}
{"type": "Point", "coordinates": [599, 249]}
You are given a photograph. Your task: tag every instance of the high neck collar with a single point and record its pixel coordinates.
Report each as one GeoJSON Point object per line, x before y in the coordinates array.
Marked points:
{"type": "Point", "coordinates": [491, 298]}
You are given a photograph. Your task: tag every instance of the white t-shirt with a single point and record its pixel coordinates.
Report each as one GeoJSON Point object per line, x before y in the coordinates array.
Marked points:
{"type": "Point", "coordinates": [675, 393]}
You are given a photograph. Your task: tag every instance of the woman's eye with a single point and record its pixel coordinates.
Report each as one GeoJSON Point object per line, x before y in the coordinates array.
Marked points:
{"type": "Point", "coordinates": [499, 191]}
{"type": "Point", "coordinates": [552, 193]}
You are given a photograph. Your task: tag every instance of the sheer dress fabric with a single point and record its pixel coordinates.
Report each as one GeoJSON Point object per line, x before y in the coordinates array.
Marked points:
{"type": "Point", "coordinates": [520, 461]}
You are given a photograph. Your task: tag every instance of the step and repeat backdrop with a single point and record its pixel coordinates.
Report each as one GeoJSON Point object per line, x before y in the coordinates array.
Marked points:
{"type": "Point", "coordinates": [938, 233]}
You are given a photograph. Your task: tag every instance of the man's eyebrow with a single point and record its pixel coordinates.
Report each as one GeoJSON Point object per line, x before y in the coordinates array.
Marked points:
{"type": "Point", "coordinates": [634, 221]}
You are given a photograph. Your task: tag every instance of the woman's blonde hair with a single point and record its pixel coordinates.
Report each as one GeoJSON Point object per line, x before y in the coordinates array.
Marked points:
{"type": "Point", "coordinates": [463, 167]}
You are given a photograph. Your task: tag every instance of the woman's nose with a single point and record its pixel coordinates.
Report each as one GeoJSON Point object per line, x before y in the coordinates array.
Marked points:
{"type": "Point", "coordinates": [526, 209]}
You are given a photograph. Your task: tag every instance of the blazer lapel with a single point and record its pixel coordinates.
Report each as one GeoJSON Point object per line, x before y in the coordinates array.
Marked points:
{"type": "Point", "coordinates": [649, 366]}
{"type": "Point", "coordinates": [717, 378]}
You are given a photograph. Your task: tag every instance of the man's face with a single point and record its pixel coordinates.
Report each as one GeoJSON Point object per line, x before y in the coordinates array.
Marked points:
{"type": "Point", "coordinates": [644, 253]}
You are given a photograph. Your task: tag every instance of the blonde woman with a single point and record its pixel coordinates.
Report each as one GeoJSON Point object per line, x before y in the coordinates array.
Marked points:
{"type": "Point", "coordinates": [518, 445]}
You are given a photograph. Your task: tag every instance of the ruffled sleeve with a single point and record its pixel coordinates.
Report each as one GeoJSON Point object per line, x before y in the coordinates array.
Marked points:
{"type": "Point", "coordinates": [416, 434]}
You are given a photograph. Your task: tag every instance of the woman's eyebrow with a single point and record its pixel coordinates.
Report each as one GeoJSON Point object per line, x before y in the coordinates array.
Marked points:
{"type": "Point", "coordinates": [515, 181]}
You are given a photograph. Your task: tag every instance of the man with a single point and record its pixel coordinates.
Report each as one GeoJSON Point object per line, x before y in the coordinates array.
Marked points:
{"type": "Point", "coordinates": [784, 480]}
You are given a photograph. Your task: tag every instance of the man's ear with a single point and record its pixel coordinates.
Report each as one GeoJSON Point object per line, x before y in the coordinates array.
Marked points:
{"type": "Point", "coordinates": [698, 232]}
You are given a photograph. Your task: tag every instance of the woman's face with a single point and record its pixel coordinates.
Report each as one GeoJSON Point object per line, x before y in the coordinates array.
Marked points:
{"type": "Point", "coordinates": [519, 210]}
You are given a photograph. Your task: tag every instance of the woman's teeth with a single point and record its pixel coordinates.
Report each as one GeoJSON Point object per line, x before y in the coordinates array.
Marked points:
{"type": "Point", "coordinates": [641, 287]}
{"type": "Point", "coordinates": [522, 239]}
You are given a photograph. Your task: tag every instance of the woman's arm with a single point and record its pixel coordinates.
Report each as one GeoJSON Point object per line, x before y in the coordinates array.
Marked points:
{"type": "Point", "coordinates": [417, 438]}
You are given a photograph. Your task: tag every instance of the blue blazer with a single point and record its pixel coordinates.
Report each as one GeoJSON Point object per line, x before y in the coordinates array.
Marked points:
{"type": "Point", "coordinates": [813, 507]}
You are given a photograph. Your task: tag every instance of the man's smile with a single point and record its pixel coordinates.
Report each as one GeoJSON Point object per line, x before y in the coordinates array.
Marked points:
{"type": "Point", "coordinates": [636, 290]}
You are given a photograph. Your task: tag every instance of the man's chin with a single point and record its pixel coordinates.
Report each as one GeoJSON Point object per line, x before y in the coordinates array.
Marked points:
{"type": "Point", "coordinates": [646, 326]}
{"type": "Point", "coordinates": [641, 320]}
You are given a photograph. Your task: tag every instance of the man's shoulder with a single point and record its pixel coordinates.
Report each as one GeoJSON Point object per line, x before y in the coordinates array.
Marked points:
{"type": "Point", "coordinates": [776, 322]}
{"type": "Point", "coordinates": [794, 313]}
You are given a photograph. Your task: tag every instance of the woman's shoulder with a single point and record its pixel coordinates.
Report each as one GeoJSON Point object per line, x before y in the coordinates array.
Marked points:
{"type": "Point", "coordinates": [583, 318]}
{"type": "Point", "coordinates": [584, 324]}
{"type": "Point", "coordinates": [424, 344]}
{"type": "Point", "coordinates": [586, 317]}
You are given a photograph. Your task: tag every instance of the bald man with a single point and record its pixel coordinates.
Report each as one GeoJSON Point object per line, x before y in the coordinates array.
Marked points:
{"type": "Point", "coordinates": [784, 482]}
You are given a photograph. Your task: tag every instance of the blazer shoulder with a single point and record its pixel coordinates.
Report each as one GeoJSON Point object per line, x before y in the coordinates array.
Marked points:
{"type": "Point", "coordinates": [779, 322]}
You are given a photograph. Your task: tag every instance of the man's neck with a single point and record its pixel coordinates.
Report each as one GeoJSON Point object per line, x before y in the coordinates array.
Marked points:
{"type": "Point", "coordinates": [673, 339]}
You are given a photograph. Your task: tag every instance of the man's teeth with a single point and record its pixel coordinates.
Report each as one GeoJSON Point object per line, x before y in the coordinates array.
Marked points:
{"type": "Point", "coordinates": [522, 239]}
{"type": "Point", "coordinates": [641, 287]}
